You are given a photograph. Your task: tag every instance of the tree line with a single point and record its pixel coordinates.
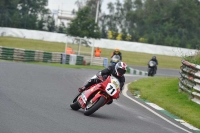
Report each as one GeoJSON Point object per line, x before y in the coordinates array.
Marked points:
{"type": "Point", "coordinates": [160, 22]}
{"type": "Point", "coordinates": [28, 14]}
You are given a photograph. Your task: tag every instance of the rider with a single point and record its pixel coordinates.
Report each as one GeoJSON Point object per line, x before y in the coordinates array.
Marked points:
{"type": "Point", "coordinates": [97, 52]}
{"type": "Point", "coordinates": [154, 59]}
{"type": "Point", "coordinates": [117, 52]}
{"type": "Point", "coordinates": [118, 71]}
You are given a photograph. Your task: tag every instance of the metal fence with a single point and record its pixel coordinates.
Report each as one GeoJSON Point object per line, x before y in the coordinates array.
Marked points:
{"type": "Point", "coordinates": [17, 54]}
{"type": "Point", "coordinates": [189, 81]}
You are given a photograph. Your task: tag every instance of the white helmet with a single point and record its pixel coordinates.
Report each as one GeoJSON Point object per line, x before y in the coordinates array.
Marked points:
{"type": "Point", "coordinates": [120, 68]}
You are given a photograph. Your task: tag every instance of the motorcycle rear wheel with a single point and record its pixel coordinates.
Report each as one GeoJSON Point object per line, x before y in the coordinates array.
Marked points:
{"type": "Point", "coordinates": [92, 107]}
{"type": "Point", "coordinates": [75, 105]}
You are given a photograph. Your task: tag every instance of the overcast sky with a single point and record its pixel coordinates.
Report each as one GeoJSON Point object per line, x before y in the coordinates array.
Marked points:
{"type": "Point", "coordinates": [69, 5]}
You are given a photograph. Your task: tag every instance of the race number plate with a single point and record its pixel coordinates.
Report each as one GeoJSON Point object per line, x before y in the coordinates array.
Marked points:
{"type": "Point", "coordinates": [111, 89]}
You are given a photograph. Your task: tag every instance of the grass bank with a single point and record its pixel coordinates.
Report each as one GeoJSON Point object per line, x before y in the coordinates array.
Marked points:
{"type": "Point", "coordinates": [131, 58]}
{"type": "Point", "coordinates": [163, 91]}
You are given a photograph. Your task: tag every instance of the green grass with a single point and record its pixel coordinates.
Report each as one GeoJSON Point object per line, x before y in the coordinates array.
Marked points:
{"type": "Point", "coordinates": [194, 59]}
{"type": "Point", "coordinates": [163, 91]}
{"type": "Point", "coordinates": [131, 58]}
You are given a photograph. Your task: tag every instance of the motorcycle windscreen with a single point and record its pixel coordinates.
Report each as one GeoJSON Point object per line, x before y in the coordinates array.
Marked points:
{"type": "Point", "coordinates": [115, 58]}
{"type": "Point", "coordinates": [152, 63]}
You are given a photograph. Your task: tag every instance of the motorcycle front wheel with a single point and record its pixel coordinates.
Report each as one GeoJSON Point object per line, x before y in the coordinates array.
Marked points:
{"type": "Point", "coordinates": [150, 72]}
{"type": "Point", "coordinates": [75, 105]}
{"type": "Point", "coordinates": [92, 107]}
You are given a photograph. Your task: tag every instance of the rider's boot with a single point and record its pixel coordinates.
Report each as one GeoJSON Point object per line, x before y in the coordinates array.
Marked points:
{"type": "Point", "coordinates": [87, 85]}
{"type": "Point", "coordinates": [81, 89]}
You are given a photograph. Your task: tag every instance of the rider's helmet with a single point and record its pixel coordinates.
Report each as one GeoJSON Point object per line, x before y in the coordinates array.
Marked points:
{"type": "Point", "coordinates": [116, 49]}
{"type": "Point", "coordinates": [120, 69]}
{"type": "Point", "coordinates": [153, 57]}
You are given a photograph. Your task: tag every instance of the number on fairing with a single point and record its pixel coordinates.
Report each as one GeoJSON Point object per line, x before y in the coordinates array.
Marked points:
{"type": "Point", "coordinates": [111, 89]}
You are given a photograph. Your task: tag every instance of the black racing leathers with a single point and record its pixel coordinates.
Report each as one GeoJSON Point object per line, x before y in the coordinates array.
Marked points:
{"type": "Point", "coordinates": [117, 53]}
{"type": "Point", "coordinates": [155, 61]}
{"type": "Point", "coordinates": [156, 64]}
{"type": "Point", "coordinates": [105, 73]}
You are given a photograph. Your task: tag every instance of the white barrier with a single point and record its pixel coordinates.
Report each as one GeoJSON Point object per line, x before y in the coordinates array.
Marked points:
{"type": "Point", "coordinates": [102, 43]}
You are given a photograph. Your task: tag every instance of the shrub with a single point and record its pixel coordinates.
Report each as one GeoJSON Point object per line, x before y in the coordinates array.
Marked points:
{"type": "Point", "coordinates": [194, 59]}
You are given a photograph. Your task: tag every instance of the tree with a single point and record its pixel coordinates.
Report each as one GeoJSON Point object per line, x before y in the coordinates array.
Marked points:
{"type": "Point", "coordinates": [51, 24]}
{"type": "Point", "coordinates": [30, 10]}
{"type": "Point", "coordinates": [8, 12]}
{"type": "Point", "coordinates": [79, 4]}
{"type": "Point", "coordinates": [22, 13]}
{"type": "Point", "coordinates": [161, 22]}
{"type": "Point", "coordinates": [92, 4]}
{"type": "Point", "coordinates": [83, 25]}
{"type": "Point", "coordinates": [62, 28]}
{"type": "Point", "coordinates": [40, 24]}
{"type": "Point", "coordinates": [169, 22]}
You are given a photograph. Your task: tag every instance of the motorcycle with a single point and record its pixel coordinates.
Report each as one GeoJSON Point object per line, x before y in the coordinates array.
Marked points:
{"type": "Point", "coordinates": [115, 59]}
{"type": "Point", "coordinates": [151, 68]}
{"type": "Point", "coordinates": [97, 96]}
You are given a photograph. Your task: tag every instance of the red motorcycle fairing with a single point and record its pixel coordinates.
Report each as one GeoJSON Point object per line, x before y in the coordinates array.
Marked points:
{"type": "Point", "coordinates": [81, 102]}
{"type": "Point", "coordinates": [97, 96]}
{"type": "Point", "coordinates": [116, 95]}
{"type": "Point", "coordinates": [91, 90]}
{"type": "Point", "coordinates": [102, 87]}
{"type": "Point", "coordinates": [105, 83]}
{"type": "Point", "coordinates": [82, 99]}
{"type": "Point", "coordinates": [95, 89]}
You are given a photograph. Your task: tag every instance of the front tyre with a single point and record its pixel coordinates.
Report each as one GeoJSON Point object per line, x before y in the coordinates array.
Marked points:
{"type": "Point", "coordinates": [75, 105]}
{"type": "Point", "coordinates": [92, 107]}
{"type": "Point", "coordinates": [149, 71]}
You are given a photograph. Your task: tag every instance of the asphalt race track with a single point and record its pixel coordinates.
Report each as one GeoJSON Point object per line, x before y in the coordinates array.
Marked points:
{"type": "Point", "coordinates": [36, 99]}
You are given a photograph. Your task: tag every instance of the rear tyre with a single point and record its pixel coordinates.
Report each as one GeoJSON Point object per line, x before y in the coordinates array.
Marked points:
{"type": "Point", "coordinates": [92, 107]}
{"type": "Point", "coordinates": [75, 105]}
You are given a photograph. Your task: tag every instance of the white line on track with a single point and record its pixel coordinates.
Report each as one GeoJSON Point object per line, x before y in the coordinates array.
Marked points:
{"type": "Point", "coordinates": [124, 92]}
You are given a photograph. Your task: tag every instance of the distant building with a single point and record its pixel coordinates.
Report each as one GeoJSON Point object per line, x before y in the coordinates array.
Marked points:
{"type": "Point", "coordinates": [62, 16]}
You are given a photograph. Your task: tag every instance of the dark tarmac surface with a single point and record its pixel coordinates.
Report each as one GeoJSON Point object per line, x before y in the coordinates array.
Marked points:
{"type": "Point", "coordinates": [36, 99]}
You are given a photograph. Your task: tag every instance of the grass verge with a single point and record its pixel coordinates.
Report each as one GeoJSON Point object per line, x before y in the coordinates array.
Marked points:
{"type": "Point", "coordinates": [163, 91]}
{"type": "Point", "coordinates": [131, 58]}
